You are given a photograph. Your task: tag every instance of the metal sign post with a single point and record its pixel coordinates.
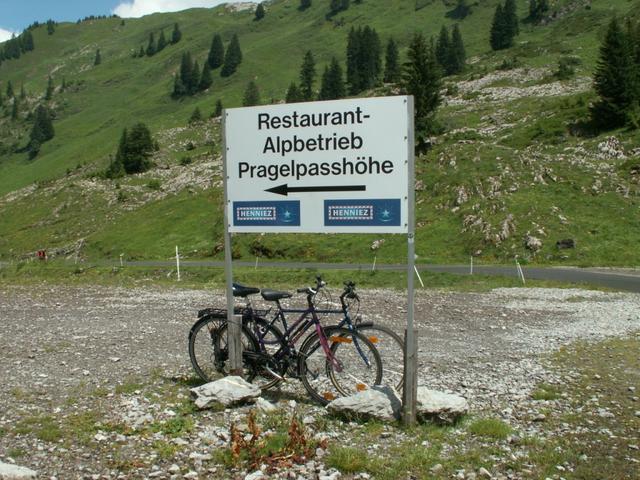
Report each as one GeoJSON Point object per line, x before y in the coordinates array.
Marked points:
{"type": "Point", "coordinates": [340, 166]}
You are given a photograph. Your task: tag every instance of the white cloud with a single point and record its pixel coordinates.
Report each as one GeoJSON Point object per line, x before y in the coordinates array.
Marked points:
{"type": "Point", "coordinates": [138, 8]}
{"type": "Point", "coordinates": [5, 35]}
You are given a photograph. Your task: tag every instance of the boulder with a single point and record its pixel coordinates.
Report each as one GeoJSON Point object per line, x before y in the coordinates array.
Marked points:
{"type": "Point", "coordinates": [14, 472]}
{"type": "Point", "coordinates": [226, 391]}
{"type": "Point", "coordinates": [565, 243]}
{"type": "Point", "coordinates": [439, 406]}
{"type": "Point", "coordinates": [380, 401]}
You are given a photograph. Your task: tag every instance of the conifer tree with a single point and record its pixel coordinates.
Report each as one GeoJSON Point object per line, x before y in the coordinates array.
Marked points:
{"type": "Point", "coordinates": [304, 4]}
{"type": "Point", "coordinates": [179, 89]}
{"type": "Point", "coordinates": [443, 47]}
{"type": "Point", "coordinates": [251, 95]}
{"type": "Point", "coordinates": [205, 77]}
{"type": "Point", "coordinates": [498, 29]}
{"type": "Point", "coordinates": [49, 92]}
{"type": "Point", "coordinates": [51, 27]}
{"type": "Point", "coordinates": [538, 9]}
{"type": "Point", "coordinates": [457, 53]}
{"type": "Point", "coordinates": [364, 62]}
{"type": "Point", "coordinates": [162, 42]}
{"type": "Point", "coordinates": [307, 76]}
{"type": "Point", "coordinates": [353, 64]}
{"type": "Point", "coordinates": [41, 131]}
{"type": "Point", "coordinates": [293, 94]}
{"type": "Point", "coordinates": [98, 58]}
{"type": "Point", "coordinates": [15, 109]}
{"type": "Point", "coordinates": [23, 94]}
{"type": "Point", "coordinates": [511, 19]}
{"type": "Point", "coordinates": [218, 111]}
{"type": "Point", "coordinates": [332, 86]}
{"type": "Point", "coordinates": [421, 78]}
{"type": "Point", "coordinates": [63, 86]}
{"type": "Point", "coordinates": [194, 80]}
{"type": "Point", "coordinates": [139, 148]}
{"type": "Point", "coordinates": [259, 15]}
{"type": "Point", "coordinates": [216, 52]}
{"type": "Point", "coordinates": [616, 80]}
{"type": "Point", "coordinates": [391, 64]}
{"type": "Point", "coordinates": [151, 46]}
{"type": "Point", "coordinates": [232, 57]}
{"type": "Point", "coordinates": [10, 93]}
{"type": "Point", "coordinates": [141, 52]}
{"type": "Point", "coordinates": [196, 116]}
{"type": "Point", "coordinates": [176, 35]}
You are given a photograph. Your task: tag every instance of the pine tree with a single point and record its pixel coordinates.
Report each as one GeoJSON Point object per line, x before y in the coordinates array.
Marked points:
{"type": "Point", "coordinates": [353, 55]}
{"type": "Point", "coordinates": [10, 93]}
{"type": "Point", "coordinates": [364, 61]}
{"type": "Point", "coordinates": [15, 109]}
{"type": "Point", "coordinates": [48, 95]}
{"type": "Point", "coordinates": [41, 131]}
{"type": "Point", "coordinates": [51, 27]}
{"type": "Point", "coordinates": [443, 47]}
{"type": "Point", "coordinates": [218, 111]}
{"type": "Point", "coordinates": [498, 29]}
{"type": "Point", "coordinates": [162, 42]}
{"type": "Point", "coordinates": [23, 94]}
{"type": "Point", "coordinates": [98, 59]}
{"type": "Point", "coordinates": [141, 52]}
{"type": "Point", "coordinates": [176, 35]}
{"type": "Point", "coordinates": [307, 76]}
{"type": "Point", "coordinates": [293, 94]}
{"type": "Point", "coordinates": [139, 148]}
{"type": "Point", "coordinates": [457, 53]}
{"type": "Point", "coordinates": [511, 19]}
{"type": "Point", "coordinates": [232, 58]}
{"type": "Point", "coordinates": [151, 46]}
{"type": "Point", "coordinates": [205, 78]}
{"type": "Point", "coordinates": [615, 80]}
{"type": "Point", "coordinates": [332, 86]}
{"type": "Point", "coordinates": [537, 10]}
{"type": "Point", "coordinates": [63, 86]}
{"type": "Point", "coordinates": [391, 64]}
{"type": "Point", "coordinates": [196, 116]}
{"type": "Point", "coordinates": [27, 41]}
{"type": "Point", "coordinates": [216, 52]}
{"type": "Point", "coordinates": [251, 95]}
{"type": "Point", "coordinates": [259, 12]}
{"type": "Point", "coordinates": [421, 78]}
{"type": "Point", "coordinates": [194, 81]}
{"type": "Point", "coordinates": [304, 4]}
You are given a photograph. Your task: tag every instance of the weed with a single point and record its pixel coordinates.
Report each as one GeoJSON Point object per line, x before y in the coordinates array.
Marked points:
{"type": "Point", "coordinates": [165, 450]}
{"type": "Point", "coordinates": [128, 387]}
{"type": "Point", "coordinates": [174, 427]}
{"type": "Point", "coordinates": [545, 392]}
{"type": "Point", "coordinates": [490, 428]}
{"type": "Point", "coordinates": [154, 184]}
{"type": "Point", "coordinates": [16, 452]}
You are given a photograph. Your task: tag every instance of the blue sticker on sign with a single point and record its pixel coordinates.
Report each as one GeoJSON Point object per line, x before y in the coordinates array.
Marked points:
{"type": "Point", "coordinates": [273, 214]}
{"type": "Point", "coordinates": [362, 213]}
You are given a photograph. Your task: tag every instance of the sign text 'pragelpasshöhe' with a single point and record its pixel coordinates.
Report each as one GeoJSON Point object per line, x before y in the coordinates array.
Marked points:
{"type": "Point", "coordinates": [342, 165]}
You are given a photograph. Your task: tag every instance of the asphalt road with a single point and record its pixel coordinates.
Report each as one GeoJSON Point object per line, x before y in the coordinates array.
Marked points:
{"type": "Point", "coordinates": [617, 280]}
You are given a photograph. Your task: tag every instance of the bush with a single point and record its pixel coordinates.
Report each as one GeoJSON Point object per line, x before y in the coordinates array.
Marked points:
{"type": "Point", "coordinates": [186, 160]}
{"type": "Point", "coordinates": [154, 184]}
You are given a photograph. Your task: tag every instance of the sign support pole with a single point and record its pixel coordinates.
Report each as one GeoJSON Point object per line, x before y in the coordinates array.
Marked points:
{"type": "Point", "coordinates": [234, 340]}
{"type": "Point", "coordinates": [410, 387]}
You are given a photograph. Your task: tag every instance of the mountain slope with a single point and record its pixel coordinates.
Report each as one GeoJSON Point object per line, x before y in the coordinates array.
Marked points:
{"type": "Point", "coordinates": [506, 169]}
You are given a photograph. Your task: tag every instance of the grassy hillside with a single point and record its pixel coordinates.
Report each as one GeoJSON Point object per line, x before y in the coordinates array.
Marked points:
{"type": "Point", "coordinates": [512, 162]}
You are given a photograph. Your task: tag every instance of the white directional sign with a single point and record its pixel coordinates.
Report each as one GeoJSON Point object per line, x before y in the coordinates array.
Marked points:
{"type": "Point", "coordinates": [338, 166]}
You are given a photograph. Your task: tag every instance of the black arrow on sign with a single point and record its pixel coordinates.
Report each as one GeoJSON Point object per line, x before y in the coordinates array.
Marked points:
{"type": "Point", "coordinates": [285, 189]}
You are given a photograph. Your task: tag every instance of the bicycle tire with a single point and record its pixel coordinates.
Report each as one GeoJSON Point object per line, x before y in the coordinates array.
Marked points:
{"type": "Point", "coordinates": [361, 366]}
{"type": "Point", "coordinates": [208, 352]}
{"type": "Point", "coordinates": [391, 348]}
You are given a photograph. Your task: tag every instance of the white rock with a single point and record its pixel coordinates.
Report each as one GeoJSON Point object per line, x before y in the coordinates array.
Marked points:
{"type": "Point", "coordinates": [331, 474]}
{"type": "Point", "coordinates": [445, 407]}
{"type": "Point", "coordinates": [483, 472]}
{"type": "Point", "coordinates": [257, 475]}
{"type": "Point", "coordinates": [226, 391]}
{"type": "Point", "coordinates": [14, 472]}
{"type": "Point", "coordinates": [174, 468]}
{"type": "Point", "coordinates": [265, 405]}
{"type": "Point", "coordinates": [381, 402]}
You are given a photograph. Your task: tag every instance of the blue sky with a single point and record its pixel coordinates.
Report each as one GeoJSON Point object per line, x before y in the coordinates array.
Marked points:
{"type": "Point", "coordinates": [16, 15]}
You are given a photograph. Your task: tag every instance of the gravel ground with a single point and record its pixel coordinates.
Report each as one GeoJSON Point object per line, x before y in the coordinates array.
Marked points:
{"type": "Point", "coordinates": [106, 355]}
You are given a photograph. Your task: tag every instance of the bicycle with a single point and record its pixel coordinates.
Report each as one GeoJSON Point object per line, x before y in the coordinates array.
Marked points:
{"type": "Point", "coordinates": [325, 368]}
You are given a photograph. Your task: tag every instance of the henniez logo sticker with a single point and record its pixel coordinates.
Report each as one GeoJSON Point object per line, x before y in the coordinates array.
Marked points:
{"type": "Point", "coordinates": [362, 213]}
{"type": "Point", "coordinates": [277, 213]}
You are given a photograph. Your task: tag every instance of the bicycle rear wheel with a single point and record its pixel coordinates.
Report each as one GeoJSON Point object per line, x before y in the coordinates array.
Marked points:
{"type": "Point", "coordinates": [209, 353]}
{"type": "Point", "coordinates": [353, 364]}
{"type": "Point", "coordinates": [390, 346]}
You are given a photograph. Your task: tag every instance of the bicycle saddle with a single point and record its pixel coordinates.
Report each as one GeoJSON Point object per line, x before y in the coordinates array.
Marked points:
{"type": "Point", "coordinates": [242, 291]}
{"type": "Point", "coordinates": [273, 295]}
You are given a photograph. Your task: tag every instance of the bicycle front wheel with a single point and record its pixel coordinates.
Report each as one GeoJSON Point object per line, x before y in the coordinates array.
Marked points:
{"type": "Point", "coordinates": [391, 349]}
{"type": "Point", "coordinates": [338, 363]}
